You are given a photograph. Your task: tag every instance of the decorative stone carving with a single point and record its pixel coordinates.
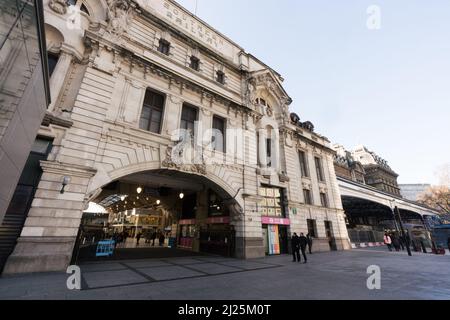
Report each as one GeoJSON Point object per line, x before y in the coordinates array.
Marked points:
{"type": "Point", "coordinates": [59, 6]}
{"type": "Point", "coordinates": [174, 153]}
{"type": "Point", "coordinates": [119, 16]}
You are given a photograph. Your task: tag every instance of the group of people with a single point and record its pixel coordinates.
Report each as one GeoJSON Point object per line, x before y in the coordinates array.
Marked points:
{"type": "Point", "coordinates": [396, 242]}
{"type": "Point", "coordinates": [151, 236]}
{"type": "Point", "coordinates": [298, 244]}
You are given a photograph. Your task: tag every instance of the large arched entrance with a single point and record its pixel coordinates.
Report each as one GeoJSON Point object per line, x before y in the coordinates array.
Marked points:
{"type": "Point", "coordinates": [159, 213]}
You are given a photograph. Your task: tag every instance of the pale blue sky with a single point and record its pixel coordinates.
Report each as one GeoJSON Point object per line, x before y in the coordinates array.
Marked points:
{"type": "Point", "coordinates": [388, 89]}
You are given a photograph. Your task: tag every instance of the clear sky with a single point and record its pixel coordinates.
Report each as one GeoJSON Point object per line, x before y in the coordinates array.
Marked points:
{"type": "Point", "coordinates": [388, 89]}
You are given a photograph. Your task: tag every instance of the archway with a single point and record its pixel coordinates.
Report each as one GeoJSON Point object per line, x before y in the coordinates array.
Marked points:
{"type": "Point", "coordinates": [160, 213]}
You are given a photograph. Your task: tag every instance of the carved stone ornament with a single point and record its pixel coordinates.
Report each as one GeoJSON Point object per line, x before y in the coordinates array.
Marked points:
{"type": "Point", "coordinates": [175, 153]}
{"type": "Point", "coordinates": [119, 16]}
{"type": "Point", "coordinates": [59, 6]}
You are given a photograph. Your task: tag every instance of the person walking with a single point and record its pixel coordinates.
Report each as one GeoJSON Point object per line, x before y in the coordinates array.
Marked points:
{"type": "Point", "coordinates": [395, 242]}
{"type": "Point", "coordinates": [295, 248]}
{"type": "Point", "coordinates": [303, 243]}
{"type": "Point", "coordinates": [153, 238]}
{"type": "Point", "coordinates": [310, 243]}
{"type": "Point", "coordinates": [161, 239]}
{"type": "Point", "coordinates": [388, 241]}
{"type": "Point", "coordinates": [138, 237]}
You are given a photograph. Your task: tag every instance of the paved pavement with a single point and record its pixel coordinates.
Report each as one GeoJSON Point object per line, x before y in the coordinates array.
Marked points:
{"type": "Point", "coordinates": [335, 275]}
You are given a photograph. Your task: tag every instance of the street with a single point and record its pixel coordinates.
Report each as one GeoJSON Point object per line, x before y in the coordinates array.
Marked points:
{"type": "Point", "coordinates": [334, 275]}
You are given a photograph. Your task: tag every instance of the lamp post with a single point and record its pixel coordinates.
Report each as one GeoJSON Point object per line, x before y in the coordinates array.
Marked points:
{"type": "Point", "coordinates": [403, 230]}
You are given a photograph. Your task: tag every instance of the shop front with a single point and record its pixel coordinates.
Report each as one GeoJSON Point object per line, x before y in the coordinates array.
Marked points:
{"type": "Point", "coordinates": [187, 232]}
{"type": "Point", "coordinates": [218, 237]}
{"type": "Point", "coordinates": [275, 235]}
{"type": "Point", "coordinates": [273, 219]}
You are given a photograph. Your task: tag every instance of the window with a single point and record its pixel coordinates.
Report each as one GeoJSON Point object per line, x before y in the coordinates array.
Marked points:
{"type": "Point", "coordinates": [307, 196]}
{"type": "Point", "coordinates": [269, 152]}
{"type": "Point", "coordinates": [152, 112]}
{"type": "Point", "coordinates": [52, 61]}
{"type": "Point", "coordinates": [319, 169]}
{"type": "Point", "coordinates": [303, 164]}
{"type": "Point", "coordinates": [188, 118]}
{"type": "Point", "coordinates": [218, 138]}
{"type": "Point", "coordinates": [312, 227]}
{"type": "Point", "coordinates": [324, 199]}
{"type": "Point", "coordinates": [195, 63]}
{"type": "Point", "coordinates": [164, 46]}
{"type": "Point", "coordinates": [272, 204]}
{"type": "Point", "coordinates": [220, 77]}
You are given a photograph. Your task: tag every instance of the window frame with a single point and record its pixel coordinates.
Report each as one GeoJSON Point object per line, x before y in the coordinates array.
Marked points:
{"type": "Point", "coordinates": [318, 163]}
{"type": "Point", "coordinates": [152, 109]}
{"type": "Point", "coordinates": [304, 167]}
{"type": "Point", "coordinates": [194, 63]}
{"type": "Point", "coordinates": [224, 133]}
{"type": "Point", "coordinates": [308, 199]}
{"type": "Point", "coordinates": [194, 108]}
{"type": "Point", "coordinates": [220, 77]}
{"type": "Point", "coordinates": [163, 43]}
{"type": "Point", "coordinates": [324, 200]}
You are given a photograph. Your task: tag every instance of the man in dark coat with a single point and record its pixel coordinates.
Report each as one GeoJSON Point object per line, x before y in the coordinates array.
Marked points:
{"type": "Point", "coordinates": [303, 242]}
{"type": "Point", "coordinates": [295, 248]}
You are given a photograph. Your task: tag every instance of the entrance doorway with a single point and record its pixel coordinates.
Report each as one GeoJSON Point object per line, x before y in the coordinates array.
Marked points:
{"type": "Point", "coordinates": [154, 214]}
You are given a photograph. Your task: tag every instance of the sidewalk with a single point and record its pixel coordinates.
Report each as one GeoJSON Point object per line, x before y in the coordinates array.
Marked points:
{"type": "Point", "coordinates": [334, 275]}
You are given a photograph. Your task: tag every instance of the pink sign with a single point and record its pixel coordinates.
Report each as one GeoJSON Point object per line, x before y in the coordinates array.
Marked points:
{"type": "Point", "coordinates": [218, 220]}
{"type": "Point", "coordinates": [275, 221]}
{"type": "Point", "coordinates": [187, 222]}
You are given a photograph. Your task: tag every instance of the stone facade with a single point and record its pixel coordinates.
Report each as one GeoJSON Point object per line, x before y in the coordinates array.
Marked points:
{"type": "Point", "coordinates": [365, 167]}
{"type": "Point", "coordinates": [104, 69]}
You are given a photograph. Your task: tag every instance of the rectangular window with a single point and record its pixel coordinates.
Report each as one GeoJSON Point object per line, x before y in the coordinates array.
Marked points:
{"type": "Point", "coordinates": [324, 199]}
{"type": "Point", "coordinates": [52, 61]}
{"type": "Point", "coordinates": [195, 63]}
{"type": "Point", "coordinates": [272, 203]}
{"type": "Point", "coordinates": [152, 112]}
{"type": "Point", "coordinates": [269, 152]}
{"type": "Point", "coordinates": [319, 169]}
{"type": "Point", "coordinates": [188, 118]}
{"type": "Point", "coordinates": [303, 164]}
{"type": "Point", "coordinates": [307, 196]}
{"type": "Point", "coordinates": [312, 227]}
{"type": "Point", "coordinates": [220, 77]}
{"type": "Point", "coordinates": [218, 138]}
{"type": "Point", "coordinates": [164, 46]}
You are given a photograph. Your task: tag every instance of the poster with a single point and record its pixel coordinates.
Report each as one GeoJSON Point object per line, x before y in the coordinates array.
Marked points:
{"type": "Point", "coordinates": [274, 243]}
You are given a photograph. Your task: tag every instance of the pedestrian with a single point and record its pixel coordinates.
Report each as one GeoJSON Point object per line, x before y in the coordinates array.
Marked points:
{"type": "Point", "coordinates": [295, 248]}
{"type": "Point", "coordinates": [395, 242]}
{"type": "Point", "coordinates": [161, 239]}
{"type": "Point", "coordinates": [138, 237]}
{"type": "Point", "coordinates": [388, 241]}
{"type": "Point", "coordinates": [303, 243]}
{"type": "Point", "coordinates": [153, 238]}
{"type": "Point", "coordinates": [402, 242]}
{"type": "Point", "coordinates": [310, 242]}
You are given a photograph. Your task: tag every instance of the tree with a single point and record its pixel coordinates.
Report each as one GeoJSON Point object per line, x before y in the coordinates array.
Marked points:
{"type": "Point", "coordinates": [437, 197]}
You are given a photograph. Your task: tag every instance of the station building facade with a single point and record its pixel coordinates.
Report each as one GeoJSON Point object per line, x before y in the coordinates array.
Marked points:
{"type": "Point", "coordinates": [154, 110]}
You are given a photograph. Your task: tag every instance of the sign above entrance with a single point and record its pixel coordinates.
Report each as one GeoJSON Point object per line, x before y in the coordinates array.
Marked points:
{"type": "Point", "coordinates": [218, 220]}
{"type": "Point", "coordinates": [275, 221]}
{"type": "Point", "coordinates": [187, 222]}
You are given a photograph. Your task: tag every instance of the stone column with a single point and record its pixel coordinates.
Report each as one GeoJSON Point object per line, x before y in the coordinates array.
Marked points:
{"type": "Point", "coordinates": [58, 77]}
{"type": "Point", "coordinates": [48, 237]}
